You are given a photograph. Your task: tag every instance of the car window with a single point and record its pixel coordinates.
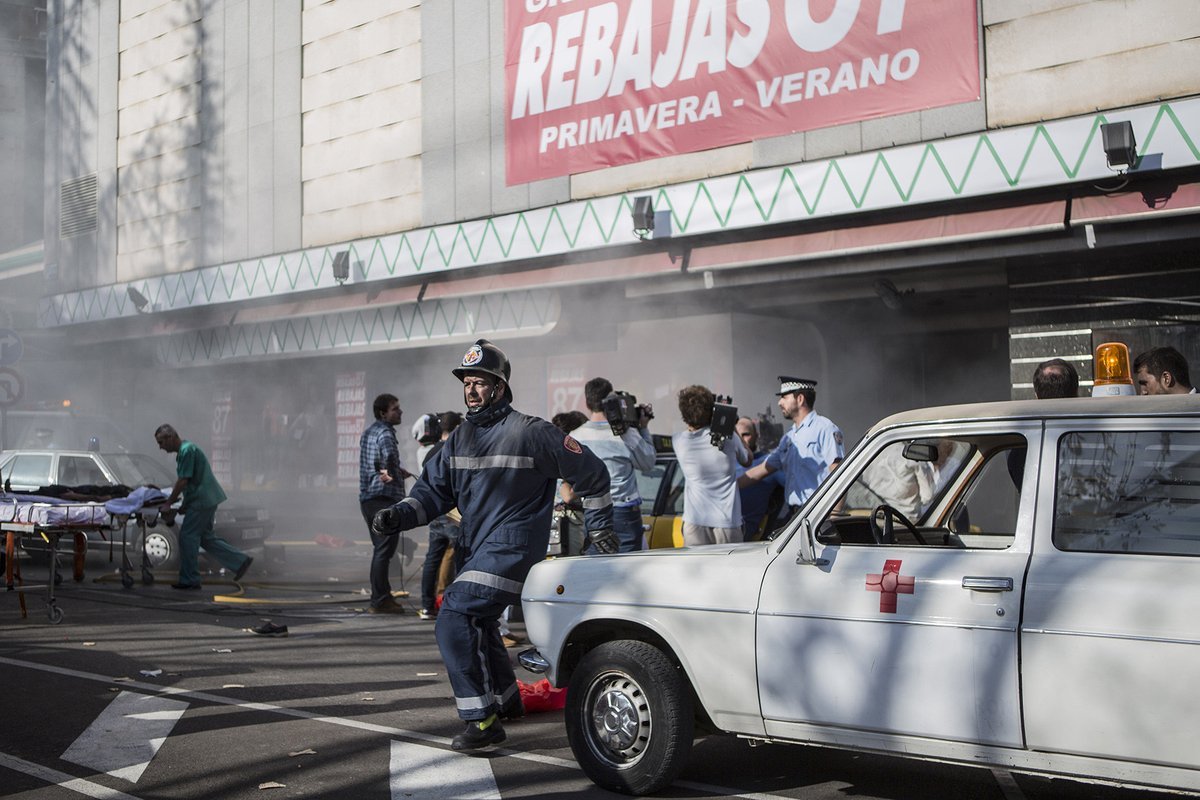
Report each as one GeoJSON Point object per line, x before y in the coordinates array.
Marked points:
{"type": "Point", "coordinates": [648, 483]}
{"type": "Point", "coordinates": [138, 469]}
{"type": "Point", "coordinates": [30, 471]}
{"type": "Point", "coordinates": [1128, 492]}
{"type": "Point", "coordinates": [79, 471]}
{"type": "Point", "coordinates": [955, 491]}
{"type": "Point", "coordinates": [674, 502]}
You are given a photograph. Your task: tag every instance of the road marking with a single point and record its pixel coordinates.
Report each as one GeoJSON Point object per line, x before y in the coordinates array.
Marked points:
{"type": "Point", "coordinates": [416, 736]}
{"type": "Point", "coordinates": [432, 774]}
{"type": "Point", "coordinates": [62, 779]}
{"type": "Point", "coordinates": [124, 738]}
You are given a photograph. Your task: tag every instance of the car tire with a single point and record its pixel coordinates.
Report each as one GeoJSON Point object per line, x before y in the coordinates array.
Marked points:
{"type": "Point", "coordinates": [162, 549]}
{"type": "Point", "coordinates": [629, 717]}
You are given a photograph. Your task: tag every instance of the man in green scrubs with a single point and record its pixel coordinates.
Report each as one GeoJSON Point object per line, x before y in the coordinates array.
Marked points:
{"type": "Point", "coordinates": [201, 496]}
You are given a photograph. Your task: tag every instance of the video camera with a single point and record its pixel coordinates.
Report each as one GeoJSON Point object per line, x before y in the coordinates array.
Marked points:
{"type": "Point", "coordinates": [724, 420]}
{"type": "Point", "coordinates": [622, 411]}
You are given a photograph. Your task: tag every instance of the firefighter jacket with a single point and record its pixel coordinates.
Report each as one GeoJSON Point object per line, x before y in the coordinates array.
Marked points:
{"type": "Point", "coordinates": [500, 468]}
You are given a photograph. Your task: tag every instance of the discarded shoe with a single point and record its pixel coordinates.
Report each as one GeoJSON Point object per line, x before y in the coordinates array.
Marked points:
{"type": "Point", "coordinates": [270, 629]}
{"type": "Point", "coordinates": [426, 614]}
{"type": "Point", "coordinates": [477, 738]}
{"type": "Point", "coordinates": [242, 569]}
{"type": "Point", "coordinates": [185, 586]}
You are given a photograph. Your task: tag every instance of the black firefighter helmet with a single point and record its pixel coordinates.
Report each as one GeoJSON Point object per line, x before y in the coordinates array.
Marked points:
{"type": "Point", "coordinates": [483, 356]}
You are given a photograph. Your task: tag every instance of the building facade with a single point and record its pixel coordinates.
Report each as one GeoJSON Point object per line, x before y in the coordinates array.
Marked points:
{"type": "Point", "coordinates": [259, 213]}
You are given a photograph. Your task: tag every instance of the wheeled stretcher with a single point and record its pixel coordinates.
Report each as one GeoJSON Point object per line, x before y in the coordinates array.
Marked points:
{"type": "Point", "coordinates": [50, 520]}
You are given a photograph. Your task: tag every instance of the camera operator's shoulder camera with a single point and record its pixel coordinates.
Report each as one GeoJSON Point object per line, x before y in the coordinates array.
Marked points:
{"type": "Point", "coordinates": [622, 411]}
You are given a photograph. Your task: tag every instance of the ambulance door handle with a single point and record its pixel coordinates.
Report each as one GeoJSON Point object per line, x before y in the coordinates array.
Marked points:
{"type": "Point", "coordinates": [985, 584]}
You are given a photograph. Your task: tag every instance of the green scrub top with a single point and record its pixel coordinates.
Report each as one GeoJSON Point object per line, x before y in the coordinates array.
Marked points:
{"type": "Point", "coordinates": [202, 490]}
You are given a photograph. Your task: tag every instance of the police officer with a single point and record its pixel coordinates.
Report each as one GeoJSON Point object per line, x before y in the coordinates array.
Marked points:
{"type": "Point", "coordinates": [808, 452]}
{"type": "Point", "coordinates": [499, 468]}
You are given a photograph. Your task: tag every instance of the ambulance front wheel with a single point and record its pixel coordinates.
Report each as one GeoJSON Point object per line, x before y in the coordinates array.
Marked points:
{"type": "Point", "coordinates": [629, 717]}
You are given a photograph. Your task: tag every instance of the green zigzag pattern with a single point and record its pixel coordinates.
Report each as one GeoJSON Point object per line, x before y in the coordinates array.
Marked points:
{"type": "Point", "coordinates": [596, 224]}
{"type": "Point", "coordinates": [420, 323]}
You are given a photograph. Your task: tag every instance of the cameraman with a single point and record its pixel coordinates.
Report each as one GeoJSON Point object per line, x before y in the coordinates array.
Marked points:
{"type": "Point", "coordinates": [712, 508]}
{"type": "Point", "coordinates": [622, 455]}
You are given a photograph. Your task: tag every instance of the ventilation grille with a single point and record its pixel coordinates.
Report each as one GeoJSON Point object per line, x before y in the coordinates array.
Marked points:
{"type": "Point", "coordinates": [77, 206]}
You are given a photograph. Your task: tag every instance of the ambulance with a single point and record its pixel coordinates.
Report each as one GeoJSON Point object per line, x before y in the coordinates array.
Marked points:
{"type": "Point", "coordinates": [1010, 584]}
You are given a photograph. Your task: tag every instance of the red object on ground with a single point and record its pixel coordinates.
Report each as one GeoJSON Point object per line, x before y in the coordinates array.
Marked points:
{"type": "Point", "coordinates": [541, 696]}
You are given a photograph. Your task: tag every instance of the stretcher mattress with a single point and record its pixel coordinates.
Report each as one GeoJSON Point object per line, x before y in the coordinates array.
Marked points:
{"type": "Point", "coordinates": [48, 512]}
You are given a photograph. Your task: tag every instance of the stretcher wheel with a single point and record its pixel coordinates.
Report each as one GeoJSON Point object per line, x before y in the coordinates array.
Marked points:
{"type": "Point", "coordinates": [147, 577]}
{"type": "Point", "coordinates": [126, 580]}
{"type": "Point", "coordinates": [55, 614]}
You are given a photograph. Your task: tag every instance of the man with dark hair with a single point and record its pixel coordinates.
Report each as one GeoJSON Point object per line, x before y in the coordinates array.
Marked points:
{"type": "Point", "coordinates": [201, 495]}
{"type": "Point", "coordinates": [712, 506]}
{"type": "Point", "coordinates": [807, 453]}
{"type": "Point", "coordinates": [499, 468]}
{"type": "Point", "coordinates": [380, 484]}
{"type": "Point", "coordinates": [623, 454]}
{"type": "Point", "coordinates": [1162, 370]}
{"type": "Point", "coordinates": [1055, 378]}
{"type": "Point", "coordinates": [443, 531]}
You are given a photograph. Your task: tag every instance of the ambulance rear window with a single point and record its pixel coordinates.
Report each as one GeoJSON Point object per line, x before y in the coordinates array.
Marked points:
{"type": "Point", "coordinates": [1128, 492]}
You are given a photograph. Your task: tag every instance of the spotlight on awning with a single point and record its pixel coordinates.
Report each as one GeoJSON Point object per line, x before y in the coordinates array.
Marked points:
{"type": "Point", "coordinates": [1120, 148]}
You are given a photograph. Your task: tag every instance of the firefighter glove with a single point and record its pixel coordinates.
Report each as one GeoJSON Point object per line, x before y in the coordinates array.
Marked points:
{"type": "Point", "coordinates": [605, 541]}
{"type": "Point", "coordinates": [386, 522]}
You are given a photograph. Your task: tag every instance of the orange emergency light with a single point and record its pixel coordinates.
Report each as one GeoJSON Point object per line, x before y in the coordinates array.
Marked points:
{"type": "Point", "coordinates": [1113, 375]}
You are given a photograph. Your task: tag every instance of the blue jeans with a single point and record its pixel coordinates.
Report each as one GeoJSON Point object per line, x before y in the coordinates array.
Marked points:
{"type": "Point", "coordinates": [196, 531]}
{"type": "Point", "coordinates": [442, 533]}
{"type": "Point", "coordinates": [385, 549]}
{"type": "Point", "coordinates": [627, 525]}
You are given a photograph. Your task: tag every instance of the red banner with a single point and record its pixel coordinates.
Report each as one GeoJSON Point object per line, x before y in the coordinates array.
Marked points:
{"type": "Point", "coordinates": [595, 83]}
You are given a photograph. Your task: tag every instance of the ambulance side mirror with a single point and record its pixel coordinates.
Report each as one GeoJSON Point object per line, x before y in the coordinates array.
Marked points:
{"type": "Point", "coordinates": [808, 548]}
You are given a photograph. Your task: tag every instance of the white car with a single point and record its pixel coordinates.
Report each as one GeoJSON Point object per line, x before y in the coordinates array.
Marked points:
{"type": "Point", "coordinates": [1011, 584]}
{"type": "Point", "coordinates": [243, 526]}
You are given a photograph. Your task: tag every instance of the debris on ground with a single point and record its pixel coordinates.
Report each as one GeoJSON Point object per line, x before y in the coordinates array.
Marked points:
{"type": "Point", "coordinates": [269, 628]}
{"type": "Point", "coordinates": [151, 673]}
{"type": "Point", "coordinates": [541, 696]}
{"type": "Point", "coordinates": [307, 752]}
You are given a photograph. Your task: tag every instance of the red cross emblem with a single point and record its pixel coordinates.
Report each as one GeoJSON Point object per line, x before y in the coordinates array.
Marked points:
{"type": "Point", "coordinates": [889, 584]}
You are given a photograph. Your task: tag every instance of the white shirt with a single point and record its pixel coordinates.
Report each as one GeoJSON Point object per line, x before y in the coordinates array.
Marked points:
{"type": "Point", "coordinates": [710, 493]}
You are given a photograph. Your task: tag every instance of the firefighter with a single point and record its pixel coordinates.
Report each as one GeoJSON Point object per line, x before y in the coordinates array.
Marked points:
{"type": "Point", "coordinates": [499, 468]}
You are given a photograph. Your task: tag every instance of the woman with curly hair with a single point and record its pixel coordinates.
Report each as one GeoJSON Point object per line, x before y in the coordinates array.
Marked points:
{"type": "Point", "coordinates": [712, 507]}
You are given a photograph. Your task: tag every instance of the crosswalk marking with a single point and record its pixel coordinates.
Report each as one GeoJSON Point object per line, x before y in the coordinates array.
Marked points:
{"type": "Point", "coordinates": [415, 736]}
{"type": "Point", "coordinates": [124, 738]}
{"type": "Point", "coordinates": [62, 779]}
{"type": "Point", "coordinates": [432, 774]}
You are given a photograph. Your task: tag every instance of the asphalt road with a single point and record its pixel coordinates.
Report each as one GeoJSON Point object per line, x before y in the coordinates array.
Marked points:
{"type": "Point", "coordinates": [154, 693]}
